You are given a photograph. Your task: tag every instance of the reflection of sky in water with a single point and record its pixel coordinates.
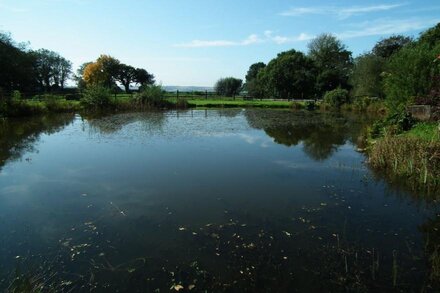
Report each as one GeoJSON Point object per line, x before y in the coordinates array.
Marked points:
{"type": "Point", "coordinates": [138, 178]}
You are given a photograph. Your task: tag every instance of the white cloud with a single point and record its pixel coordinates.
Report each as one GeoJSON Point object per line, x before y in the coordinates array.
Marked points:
{"type": "Point", "coordinates": [285, 39]}
{"type": "Point", "coordinates": [340, 12]}
{"type": "Point", "coordinates": [252, 39]}
{"type": "Point", "coordinates": [387, 27]}
{"type": "Point", "coordinates": [304, 10]}
{"type": "Point", "coordinates": [268, 36]}
{"type": "Point", "coordinates": [200, 44]}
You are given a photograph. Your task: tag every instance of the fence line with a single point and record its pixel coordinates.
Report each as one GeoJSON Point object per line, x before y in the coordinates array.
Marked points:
{"type": "Point", "coordinates": [206, 95]}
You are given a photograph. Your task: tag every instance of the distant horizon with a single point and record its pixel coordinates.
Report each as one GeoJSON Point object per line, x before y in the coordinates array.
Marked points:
{"type": "Point", "coordinates": [182, 44]}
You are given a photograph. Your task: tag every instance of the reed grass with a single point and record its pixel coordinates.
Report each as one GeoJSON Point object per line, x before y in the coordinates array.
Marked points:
{"type": "Point", "coordinates": [413, 159]}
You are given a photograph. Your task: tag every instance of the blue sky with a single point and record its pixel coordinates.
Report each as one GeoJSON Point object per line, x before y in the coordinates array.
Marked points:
{"type": "Point", "coordinates": [195, 42]}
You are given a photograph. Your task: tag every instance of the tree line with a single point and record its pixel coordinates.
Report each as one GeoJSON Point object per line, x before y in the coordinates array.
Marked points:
{"type": "Point", "coordinates": [43, 70]}
{"type": "Point", "coordinates": [398, 68]}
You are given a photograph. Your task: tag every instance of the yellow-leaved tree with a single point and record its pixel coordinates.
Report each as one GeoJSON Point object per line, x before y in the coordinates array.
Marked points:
{"type": "Point", "coordinates": [102, 72]}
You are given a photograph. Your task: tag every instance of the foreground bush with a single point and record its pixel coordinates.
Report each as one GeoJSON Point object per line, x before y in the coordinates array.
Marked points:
{"type": "Point", "coordinates": [415, 160]}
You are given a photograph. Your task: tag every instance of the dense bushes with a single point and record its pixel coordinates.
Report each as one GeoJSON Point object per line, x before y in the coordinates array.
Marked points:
{"type": "Point", "coordinates": [228, 86]}
{"type": "Point", "coordinates": [336, 98]}
{"type": "Point", "coordinates": [151, 97]}
{"type": "Point", "coordinates": [96, 97]}
{"type": "Point", "coordinates": [395, 123]}
{"type": "Point", "coordinates": [410, 73]}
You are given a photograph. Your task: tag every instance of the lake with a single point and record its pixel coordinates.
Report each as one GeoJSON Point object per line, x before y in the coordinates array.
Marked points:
{"type": "Point", "coordinates": [219, 200]}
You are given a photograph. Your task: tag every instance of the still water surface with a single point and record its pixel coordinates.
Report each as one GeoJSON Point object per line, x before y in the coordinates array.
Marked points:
{"type": "Point", "coordinates": [216, 200]}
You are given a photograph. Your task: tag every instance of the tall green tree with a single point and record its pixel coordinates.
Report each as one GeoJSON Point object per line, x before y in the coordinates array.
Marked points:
{"type": "Point", "coordinates": [252, 85]}
{"type": "Point", "coordinates": [431, 37]}
{"type": "Point", "coordinates": [62, 71]}
{"type": "Point", "coordinates": [291, 75]}
{"type": "Point", "coordinates": [411, 73]}
{"type": "Point", "coordinates": [366, 78]}
{"type": "Point", "coordinates": [228, 86]}
{"type": "Point", "coordinates": [388, 46]}
{"type": "Point", "coordinates": [16, 65]}
{"type": "Point", "coordinates": [126, 75]}
{"type": "Point", "coordinates": [333, 62]}
{"type": "Point", "coordinates": [52, 69]}
{"type": "Point", "coordinates": [143, 78]}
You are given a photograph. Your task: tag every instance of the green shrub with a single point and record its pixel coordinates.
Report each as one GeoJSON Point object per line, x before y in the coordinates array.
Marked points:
{"type": "Point", "coordinates": [336, 98]}
{"type": "Point", "coordinates": [16, 96]}
{"type": "Point", "coordinates": [410, 73]}
{"type": "Point", "coordinates": [394, 124]}
{"type": "Point", "coordinates": [311, 105]}
{"type": "Point", "coordinates": [182, 104]}
{"type": "Point", "coordinates": [296, 105]}
{"type": "Point", "coordinates": [96, 97]}
{"type": "Point", "coordinates": [151, 97]}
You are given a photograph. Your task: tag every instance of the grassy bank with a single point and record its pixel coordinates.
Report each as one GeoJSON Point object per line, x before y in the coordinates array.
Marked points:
{"type": "Point", "coordinates": [34, 107]}
{"type": "Point", "coordinates": [411, 157]}
{"type": "Point", "coordinates": [16, 108]}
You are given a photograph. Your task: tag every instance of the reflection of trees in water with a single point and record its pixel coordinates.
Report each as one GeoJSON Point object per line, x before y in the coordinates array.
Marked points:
{"type": "Point", "coordinates": [107, 124]}
{"type": "Point", "coordinates": [20, 135]}
{"type": "Point", "coordinates": [321, 134]}
{"type": "Point", "coordinates": [228, 112]}
{"type": "Point", "coordinates": [431, 231]}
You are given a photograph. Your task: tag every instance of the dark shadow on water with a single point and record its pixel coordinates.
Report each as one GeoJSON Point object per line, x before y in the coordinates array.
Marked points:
{"type": "Point", "coordinates": [320, 134]}
{"type": "Point", "coordinates": [18, 136]}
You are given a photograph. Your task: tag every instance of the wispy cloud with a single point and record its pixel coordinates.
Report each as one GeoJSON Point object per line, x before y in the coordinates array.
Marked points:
{"type": "Point", "coordinates": [267, 37]}
{"type": "Point", "coordinates": [252, 39]}
{"type": "Point", "coordinates": [287, 39]}
{"type": "Point", "coordinates": [340, 12]}
{"type": "Point", "coordinates": [387, 27]}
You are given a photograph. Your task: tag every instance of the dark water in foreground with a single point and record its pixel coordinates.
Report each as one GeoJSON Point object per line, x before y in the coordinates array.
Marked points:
{"type": "Point", "coordinates": [231, 200]}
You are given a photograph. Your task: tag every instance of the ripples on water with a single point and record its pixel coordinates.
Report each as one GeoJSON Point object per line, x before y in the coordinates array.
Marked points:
{"type": "Point", "coordinates": [217, 200]}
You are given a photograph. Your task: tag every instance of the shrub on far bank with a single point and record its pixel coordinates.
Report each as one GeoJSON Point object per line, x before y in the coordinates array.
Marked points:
{"type": "Point", "coordinates": [311, 105]}
{"type": "Point", "coordinates": [296, 105]}
{"type": "Point", "coordinates": [96, 97]}
{"type": "Point", "coordinates": [151, 97]}
{"type": "Point", "coordinates": [336, 98]}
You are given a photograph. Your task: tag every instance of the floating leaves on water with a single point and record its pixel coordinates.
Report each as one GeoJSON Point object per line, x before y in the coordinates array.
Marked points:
{"type": "Point", "coordinates": [177, 287]}
{"type": "Point", "coordinates": [118, 209]}
{"type": "Point", "coordinates": [131, 270]}
{"type": "Point", "coordinates": [192, 286]}
{"type": "Point", "coordinates": [66, 283]}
